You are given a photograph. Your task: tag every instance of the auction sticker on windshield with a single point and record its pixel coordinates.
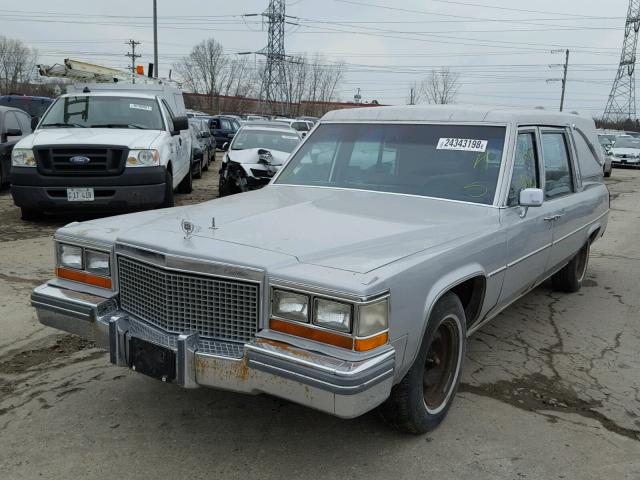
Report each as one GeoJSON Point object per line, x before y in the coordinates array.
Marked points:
{"type": "Point", "coordinates": [140, 107]}
{"type": "Point", "coordinates": [462, 144]}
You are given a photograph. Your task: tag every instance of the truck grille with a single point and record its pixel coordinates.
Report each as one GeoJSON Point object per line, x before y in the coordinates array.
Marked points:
{"type": "Point", "coordinates": [103, 161]}
{"type": "Point", "coordinates": [185, 303]}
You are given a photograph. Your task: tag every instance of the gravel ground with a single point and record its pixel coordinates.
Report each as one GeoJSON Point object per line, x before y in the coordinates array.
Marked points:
{"type": "Point", "coordinates": [550, 389]}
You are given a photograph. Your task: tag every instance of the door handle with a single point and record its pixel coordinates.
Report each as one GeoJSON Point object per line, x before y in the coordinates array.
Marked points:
{"type": "Point", "coordinates": [553, 217]}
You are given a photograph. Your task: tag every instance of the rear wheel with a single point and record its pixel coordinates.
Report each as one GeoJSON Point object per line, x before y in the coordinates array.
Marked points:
{"type": "Point", "coordinates": [422, 399]}
{"type": "Point", "coordinates": [196, 165]}
{"type": "Point", "coordinates": [570, 278]}
{"type": "Point", "coordinates": [186, 185]}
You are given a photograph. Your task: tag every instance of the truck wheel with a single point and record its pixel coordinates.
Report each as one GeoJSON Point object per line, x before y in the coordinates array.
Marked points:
{"type": "Point", "coordinates": [186, 185]}
{"type": "Point", "coordinates": [168, 191]}
{"type": "Point", "coordinates": [197, 172]}
{"type": "Point", "coordinates": [607, 174]}
{"type": "Point", "coordinates": [29, 214]}
{"type": "Point", "coordinates": [422, 398]}
{"type": "Point", "coordinates": [570, 278]}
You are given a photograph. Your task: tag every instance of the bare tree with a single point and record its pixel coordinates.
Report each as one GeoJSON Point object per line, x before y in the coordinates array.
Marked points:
{"type": "Point", "coordinates": [416, 94]}
{"type": "Point", "coordinates": [17, 64]}
{"type": "Point", "coordinates": [441, 86]}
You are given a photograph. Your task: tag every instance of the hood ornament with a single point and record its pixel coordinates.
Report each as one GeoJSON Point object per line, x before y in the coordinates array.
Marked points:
{"type": "Point", "coordinates": [188, 228]}
{"type": "Point", "coordinates": [213, 224]}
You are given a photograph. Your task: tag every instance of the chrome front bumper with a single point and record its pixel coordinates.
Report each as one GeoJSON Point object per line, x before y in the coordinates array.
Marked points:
{"type": "Point", "coordinates": [343, 388]}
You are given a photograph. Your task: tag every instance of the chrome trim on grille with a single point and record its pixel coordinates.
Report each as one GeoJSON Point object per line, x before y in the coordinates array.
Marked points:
{"type": "Point", "coordinates": [179, 302]}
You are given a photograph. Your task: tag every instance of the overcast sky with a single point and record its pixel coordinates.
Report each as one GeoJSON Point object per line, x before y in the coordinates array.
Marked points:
{"type": "Point", "coordinates": [501, 48]}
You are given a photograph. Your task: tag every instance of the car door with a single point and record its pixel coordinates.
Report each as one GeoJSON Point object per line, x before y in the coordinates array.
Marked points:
{"type": "Point", "coordinates": [181, 157]}
{"type": "Point", "coordinates": [529, 232]}
{"type": "Point", "coordinates": [562, 194]}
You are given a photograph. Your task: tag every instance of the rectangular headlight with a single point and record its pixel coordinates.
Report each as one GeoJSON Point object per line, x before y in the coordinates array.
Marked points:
{"type": "Point", "coordinates": [373, 318]}
{"type": "Point", "coordinates": [70, 256]}
{"type": "Point", "coordinates": [97, 262]}
{"type": "Point", "coordinates": [22, 157]}
{"type": "Point", "coordinates": [334, 315]}
{"type": "Point", "coordinates": [290, 305]}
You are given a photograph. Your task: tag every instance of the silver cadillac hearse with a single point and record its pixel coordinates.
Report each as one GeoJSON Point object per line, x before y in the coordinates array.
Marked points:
{"type": "Point", "coordinates": [353, 280]}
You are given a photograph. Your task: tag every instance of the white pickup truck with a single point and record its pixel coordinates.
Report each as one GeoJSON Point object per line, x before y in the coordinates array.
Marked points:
{"type": "Point", "coordinates": [113, 146]}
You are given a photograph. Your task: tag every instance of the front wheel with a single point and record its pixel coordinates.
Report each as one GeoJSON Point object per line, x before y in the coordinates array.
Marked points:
{"type": "Point", "coordinates": [570, 278]}
{"type": "Point", "coordinates": [422, 398]}
{"type": "Point", "coordinates": [168, 191]}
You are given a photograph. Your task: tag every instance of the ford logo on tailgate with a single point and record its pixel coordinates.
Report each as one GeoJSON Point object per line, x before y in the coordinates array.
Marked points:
{"type": "Point", "coordinates": [79, 160]}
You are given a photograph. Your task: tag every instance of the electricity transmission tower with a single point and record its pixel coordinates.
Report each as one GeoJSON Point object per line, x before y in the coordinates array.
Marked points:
{"type": "Point", "coordinates": [622, 99]}
{"type": "Point", "coordinates": [274, 83]}
{"type": "Point", "coordinates": [132, 55]}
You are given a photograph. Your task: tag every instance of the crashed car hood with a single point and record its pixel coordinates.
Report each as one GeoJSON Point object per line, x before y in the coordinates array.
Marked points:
{"type": "Point", "coordinates": [356, 231]}
{"type": "Point", "coordinates": [130, 137]}
{"type": "Point", "coordinates": [625, 151]}
{"type": "Point", "coordinates": [250, 155]}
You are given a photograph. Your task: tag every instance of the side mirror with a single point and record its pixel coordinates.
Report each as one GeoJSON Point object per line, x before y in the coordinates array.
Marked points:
{"type": "Point", "coordinates": [303, 134]}
{"type": "Point", "coordinates": [225, 146]}
{"type": "Point", "coordinates": [14, 132]}
{"type": "Point", "coordinates": [180, 123]}
{"type": "Point", "coordinates": [34, 122]}
{"type": "Point", "coordinates": [531, 197]}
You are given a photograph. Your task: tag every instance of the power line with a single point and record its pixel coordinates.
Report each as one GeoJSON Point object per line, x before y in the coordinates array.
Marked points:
{"type": "Point", "coordinates": [133, 55]}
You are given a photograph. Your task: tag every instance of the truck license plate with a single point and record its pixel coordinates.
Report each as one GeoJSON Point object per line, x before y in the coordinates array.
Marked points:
{"type": "Point", "coordinates": [80, 194]}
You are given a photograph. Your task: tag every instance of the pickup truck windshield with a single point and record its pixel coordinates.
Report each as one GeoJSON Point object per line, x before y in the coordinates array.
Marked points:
{"type": "Point", "coordinates": [104, 112]}
{"type": "Point", "coordinates": [456, 162]}
{"type": "Point", "coordinates": [269, 139]}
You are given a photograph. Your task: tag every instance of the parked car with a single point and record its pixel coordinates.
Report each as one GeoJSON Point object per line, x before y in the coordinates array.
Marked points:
{"type": "Point", "coordinates": [34, 106]}
{"type": "Point", "coordinates": [109, 146]}
{"type": "Point", "coordinates": [626, 151]}
{"type": "Point", "coordinates": [354, 278]}
{"type": "Point", "coordinates": [15, 124]}
{"type": "Point", "coordinates": [301, 126]}
{"type": "Point", "coordinates": [255, 154]}
{"type": "Point", "coordinates": [607, 146]}
{"type": "Point", "coordinates": [223, 129]}
{"type": "Point", "coordinates": [206, 142]}
{"type": "Point", "coordinates": [198, 162]}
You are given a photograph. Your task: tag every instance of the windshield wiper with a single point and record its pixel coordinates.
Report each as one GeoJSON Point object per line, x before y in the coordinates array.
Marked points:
{"type": "Point", "coordinates": [62, 124]}
{"type": "Point", "coordinates": [116, 125]}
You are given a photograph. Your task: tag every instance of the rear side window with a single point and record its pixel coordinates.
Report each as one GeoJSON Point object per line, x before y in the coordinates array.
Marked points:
{"type": "Point", "coordinates": [525, 167]}
{"type": "Point", "coordinates": [558, 176]}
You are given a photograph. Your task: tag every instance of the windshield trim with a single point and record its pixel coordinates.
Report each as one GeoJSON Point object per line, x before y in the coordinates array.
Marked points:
{"type": "Point", "coordinates": [501, 189]}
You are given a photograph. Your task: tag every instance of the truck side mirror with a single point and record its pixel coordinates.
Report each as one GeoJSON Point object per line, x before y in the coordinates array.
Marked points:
{"type": "Point", "coordinates": [180, 123]}
{"type": "Point", "coordinates": [225, 146]}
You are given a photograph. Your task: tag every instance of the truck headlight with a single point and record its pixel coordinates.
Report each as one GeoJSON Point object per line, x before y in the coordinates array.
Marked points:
{"type": "Point", "coordinates": [143, 158]}
{"type": "Point", "coordinates": [22, 157]}
{"type": "Point", "coordinates": [97, 262]}
{"type": "Point", "coordinates": [333, 315]}
{"type": "Point", "coordinates": [70, 256]}
{"type": "Point", "coordinates": [290, 305]}
{"type": "Point", "coordinates": [373, 318]}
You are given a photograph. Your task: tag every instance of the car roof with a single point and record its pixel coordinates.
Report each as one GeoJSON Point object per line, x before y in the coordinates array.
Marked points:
{"type": "Point", "coordinates": [25, 97]}
{"type": "Point", "coordinates": [11, 109]}
{"type": "Point", "coordinates": [283, 127]}
{"type": "Point", "coordinates": [455, 113]}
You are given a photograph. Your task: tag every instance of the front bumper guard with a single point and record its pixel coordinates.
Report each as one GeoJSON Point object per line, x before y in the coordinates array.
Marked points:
{"type": "Point", "coordinates": [343, 388]}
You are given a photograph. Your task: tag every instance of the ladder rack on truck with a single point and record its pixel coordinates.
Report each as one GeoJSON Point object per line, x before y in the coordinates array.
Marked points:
{"type": "Point", "coordinates": [80, 71]}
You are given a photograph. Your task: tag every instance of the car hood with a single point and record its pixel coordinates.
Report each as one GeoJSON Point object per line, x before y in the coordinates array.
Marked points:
{"type": "Point", "coordinates": [250, 155]}
{"type": "Point", "coordinates": [355, 231]}
{"type": "Point", "coordinates": [130, 137]}
{"type": "Point", "coordinates": [625, 151]}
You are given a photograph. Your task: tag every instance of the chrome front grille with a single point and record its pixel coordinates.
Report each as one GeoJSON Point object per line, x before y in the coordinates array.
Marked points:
{"type": "Point", "coordinates": [177, 302]}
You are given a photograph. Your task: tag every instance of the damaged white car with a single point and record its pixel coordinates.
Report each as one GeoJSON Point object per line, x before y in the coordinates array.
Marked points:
{"type": "Point", "coordinates": [256, 153]}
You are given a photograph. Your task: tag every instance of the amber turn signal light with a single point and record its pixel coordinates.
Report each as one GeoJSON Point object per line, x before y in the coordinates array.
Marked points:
{"type": "Point", "coordinates": [311, 333]}
{"type": "Point", "coordinates": [364, 344]}
{"type": "Point", "coordinates": [83, 277]}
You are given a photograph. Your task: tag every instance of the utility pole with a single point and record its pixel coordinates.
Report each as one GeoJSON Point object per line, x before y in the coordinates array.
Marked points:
{"type": "Point", "coordinates": [621, 105]}
{"type": "Point", "coordinates": [412, 96]}
{"type": "Point", "coordinates": [564, 76]}
{"type": "Point", "coordinates": [133, 55]}
{"type": "Point", "coordinates": [155, 39]}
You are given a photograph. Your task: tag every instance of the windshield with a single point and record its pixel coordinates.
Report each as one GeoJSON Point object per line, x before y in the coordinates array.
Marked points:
{"type": "Point", "coordinates": [627, 143]}
{"type": "Point", "coordinates": [269, 139]}
{"type": "Point", "coordinates": [455, 162]}
{"type": "Point", "coordinates": [104, 112]}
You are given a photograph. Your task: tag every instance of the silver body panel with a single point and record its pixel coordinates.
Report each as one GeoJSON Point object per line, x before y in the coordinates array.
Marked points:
{"type": "Point", "coordinates": [353, 244]}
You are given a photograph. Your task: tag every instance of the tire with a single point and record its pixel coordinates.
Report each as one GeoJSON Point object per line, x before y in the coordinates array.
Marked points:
{"type": "Point", "coordinates": [168, 201]}
{"type": "Point", "coordinates": [205, 161]}
{"type": "Point", "coordinates": [29, 214]}
{"type": "Point", "coordinates": [607, 174]}
{"type": "Point", "coordinates": [186, 185]}
{"type": "Point", "coordinates": [198, 170]}
{"type": "Point", "coordinates": [570, 278]}
{"type": "Point", "coordinates": [421, 400]}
